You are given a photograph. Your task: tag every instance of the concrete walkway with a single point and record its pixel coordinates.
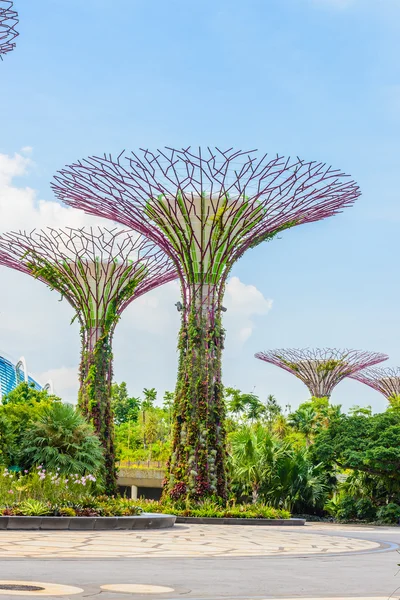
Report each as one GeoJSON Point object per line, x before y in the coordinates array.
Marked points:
{"type": "Point", "coordinates": [212, 562]}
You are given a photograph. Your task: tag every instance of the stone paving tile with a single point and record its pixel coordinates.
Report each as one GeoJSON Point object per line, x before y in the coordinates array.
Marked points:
{"type": "Point", "coordinates": [191, 540]}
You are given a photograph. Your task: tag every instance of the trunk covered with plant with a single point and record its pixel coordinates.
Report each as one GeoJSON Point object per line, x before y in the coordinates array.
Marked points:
{"type": "Point", "coordinates": [197, 467]}
{"type": "Point", "coordinates": [94, 398]}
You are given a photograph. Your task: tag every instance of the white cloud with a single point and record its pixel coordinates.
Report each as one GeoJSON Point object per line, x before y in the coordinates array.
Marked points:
{"type": "Point", "coordinates": [21, 209]}
{"type": "Point", "coordinates": [65, 381]}
{"type": "Point", "coordinates": [35, 324]}
{"type": "Point", "coordinates": [243, 302]}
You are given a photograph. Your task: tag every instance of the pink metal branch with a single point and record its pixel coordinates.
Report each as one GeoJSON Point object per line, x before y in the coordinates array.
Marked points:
{"type": "Point", "coordinates": [8, 22]}
{"type": "Point", "coordinates": [248, 197]}
{"type": "Point", "coordinates": [90, 267]}
{"type": "Point", "coordinates": [385, 381]}
{"type": "Point", "coordinates": [321, 369]}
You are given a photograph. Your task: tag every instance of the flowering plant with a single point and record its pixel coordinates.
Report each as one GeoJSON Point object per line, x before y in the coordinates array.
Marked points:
{"type": "Point", "coordinates": [40, 484]}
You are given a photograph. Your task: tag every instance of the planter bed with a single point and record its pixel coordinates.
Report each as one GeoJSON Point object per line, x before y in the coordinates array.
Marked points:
{"type": "Point", "coordinates": [238, 521]}
{"type": "Point", "coordinates": [143, 521]}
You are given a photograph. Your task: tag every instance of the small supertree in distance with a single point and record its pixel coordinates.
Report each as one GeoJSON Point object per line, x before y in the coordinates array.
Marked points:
{"type": "Point", "coordinates": [8, 22]}
{"type": "Point", "coordinates": [99, 272]}
{"type": "Point", "coordinates": [321, 369]}
{"type": "Point", "coordinates": [204, 208]}
{"type": "Point", "coordinates": [386, 381]}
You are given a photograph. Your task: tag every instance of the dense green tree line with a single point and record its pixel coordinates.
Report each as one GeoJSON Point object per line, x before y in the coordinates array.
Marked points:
{"type": "Point", "coordinates": [314, 460]}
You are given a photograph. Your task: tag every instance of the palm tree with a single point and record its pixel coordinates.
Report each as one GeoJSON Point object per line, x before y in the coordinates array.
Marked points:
{"type": "Point", "coordinates": [62, 440]}
{"type": "Point", "coordinates": [280, 427]}
{"type": "Point", "coordinates": [296, 482]}
{"type": "Point", "coordinates": [304, 420]}
{"type": "Point", "coordinates": [150, 396]}
{"type": "Point", "coordinates": [254, 453]}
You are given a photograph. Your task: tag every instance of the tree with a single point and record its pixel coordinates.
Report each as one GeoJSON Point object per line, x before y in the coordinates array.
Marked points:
{"type": "Point", "coordinates": [19, 409]}
{"type": "Point", "coordinates": [296, 484]}
{"type": "Point", "coordinates": [370, 444]}
{"type": "Point", "coordinates": [150, 396]}
{"type": "Point", "coordinates": [276, 471]}
{"type": "Point", "coordinates": [303, 420]}
{"type": "Point", "coordinates": [168, 406]}
{"type": "Point", "coordinates": [62, 441]}
{"type": "Point", "coordinates": [244, 404]}
{"type": "Point", "coordinates": [25, 393]}
{"type": "Point", "coordinates": [272, 410]}
{"type": "Point", "coordinates": [254, 453]}
{"type": "Point", "coordinates": [125, 407]}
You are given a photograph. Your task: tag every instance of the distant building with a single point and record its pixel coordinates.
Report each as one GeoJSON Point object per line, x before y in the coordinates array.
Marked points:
{"type": "Point", "coordinates": [12, 374]}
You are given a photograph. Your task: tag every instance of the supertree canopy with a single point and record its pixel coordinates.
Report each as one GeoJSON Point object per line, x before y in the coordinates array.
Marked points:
{"type": "Point", "coordinates": [321, 369]}
{"type": "Point", "coordinates": [385, 381]}
{"type": "Point", "coordinates": [99, 272]}
{"type": "Point", "coordinates": [8, 22]}
{"type": "Point", "coordinates": [204, 209]}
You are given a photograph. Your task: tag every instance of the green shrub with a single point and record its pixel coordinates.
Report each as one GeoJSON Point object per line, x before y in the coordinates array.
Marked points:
{"type": "Point", "coordinates": [62, 441]}
{"type": "Point", "coordinates": [33, 508]}
{"type": "Point", "coordinates": [389, 513]}
{"type": "Point", "coordinates": [208, 508]}
{"type": "Point", "coordinates": [366, 511]}
{"type": "Point", "coordinates": [87, 507]}
{"type": "Point", "coordinates": [346, 509]}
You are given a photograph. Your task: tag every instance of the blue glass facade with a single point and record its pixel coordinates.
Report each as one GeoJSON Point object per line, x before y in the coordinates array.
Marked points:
{"type": "Point", "coordinates": [11, 376]}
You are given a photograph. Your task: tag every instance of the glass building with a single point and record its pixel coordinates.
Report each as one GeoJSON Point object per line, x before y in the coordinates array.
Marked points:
{"type": "Point", "coordinates": [12, 374]}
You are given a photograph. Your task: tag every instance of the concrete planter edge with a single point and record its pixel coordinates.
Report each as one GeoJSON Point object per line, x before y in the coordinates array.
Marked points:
{"type": "Point", "coordinates": [143, 521]}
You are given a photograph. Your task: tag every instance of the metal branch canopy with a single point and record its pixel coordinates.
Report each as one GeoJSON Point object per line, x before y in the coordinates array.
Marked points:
{"type": "Point", "coordinates": [100, 272]}
{"type": "Point", "coordinates": [385, 381]}
{"type": "Point", "coordinates": [204, 209]}
{"type": "Point", "coordinates": [321, 369]}
{"type": "Point", "coordinates": [8, 22]}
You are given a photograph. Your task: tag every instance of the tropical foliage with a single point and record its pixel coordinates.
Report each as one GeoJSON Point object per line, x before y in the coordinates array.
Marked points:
{"type": "Point", "coordinates": [315, 460]}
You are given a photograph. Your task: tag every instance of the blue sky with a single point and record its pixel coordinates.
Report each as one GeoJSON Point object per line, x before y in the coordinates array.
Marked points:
{"type": "Point", "coordinates": [315, 78]}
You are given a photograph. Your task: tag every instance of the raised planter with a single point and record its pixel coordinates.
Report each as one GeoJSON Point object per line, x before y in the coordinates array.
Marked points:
{"type": "Point", "coordinates": [237, 521]}
{"type": "Point", "coordinates": [144, 521]}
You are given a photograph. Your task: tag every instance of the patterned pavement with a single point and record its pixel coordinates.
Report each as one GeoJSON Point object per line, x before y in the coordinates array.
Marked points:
{"type": "Point", "coordinates": [181, 541]}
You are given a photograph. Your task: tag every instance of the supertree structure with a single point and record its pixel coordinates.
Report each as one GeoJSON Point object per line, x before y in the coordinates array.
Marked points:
{"type": "Point", "coordinates": [99, 272]}
{"type": "Point", "coordinates": [8, 22]}
{"type": "Point", "coordinates": [321, 369]}
{"type": "Point", "coordinates": [204, 209]}
{"type": "Point", "coordinates": [386, 381]}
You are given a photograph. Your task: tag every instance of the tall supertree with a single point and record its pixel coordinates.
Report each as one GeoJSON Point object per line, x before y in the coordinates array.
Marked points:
{"type": "Point", "coordinates": [8, 22]}
{"type": "Point", "coordinates": [385, 381]}
{"type": "Point", "coordinates": [99, 272]}
{"type": "Point", "coordinates": [321, 369]}
{"type": "Point", "coordinates": [204, 209]}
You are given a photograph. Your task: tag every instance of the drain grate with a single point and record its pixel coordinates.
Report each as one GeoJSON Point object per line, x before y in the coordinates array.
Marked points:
{"type": "Point", "coordinates": [21, 588]}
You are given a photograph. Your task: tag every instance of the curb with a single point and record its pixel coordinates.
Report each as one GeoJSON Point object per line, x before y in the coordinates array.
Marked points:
{"type": "Point", "coordinates": [144, 521]}
{"type": "Point", "coordinates": [238, 521]}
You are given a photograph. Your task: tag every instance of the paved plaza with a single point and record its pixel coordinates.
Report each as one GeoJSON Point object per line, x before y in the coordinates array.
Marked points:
{"type": "Point", "coordinates": [203, 541]}
{"type": "Point", "coordinates": [205, 561]}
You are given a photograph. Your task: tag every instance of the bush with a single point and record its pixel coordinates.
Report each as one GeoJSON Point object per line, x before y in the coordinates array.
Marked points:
{"type": "Point", "coordinates": [89, 507]}
{"type": "Point", "coordinates": [209, 508]}
{"type": "Point", "coordinates": [389, 513]}
{"type": "Point", "coordinates": [346, 507]}
{"type": "Point", "coordinates": [366, 511]}
{"type": "Point", "coordinates": [44, 486]}
{"type": "Point", "coordinates": [62, 441]}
